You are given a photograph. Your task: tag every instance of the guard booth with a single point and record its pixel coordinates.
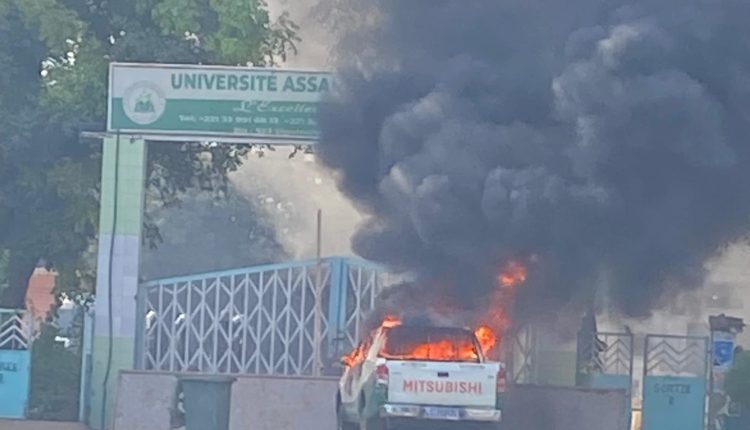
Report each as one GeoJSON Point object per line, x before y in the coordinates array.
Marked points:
{"type": "Point", "coordinates": [675, 375]}
{"type": "Point", "coordinates": [15, 363]}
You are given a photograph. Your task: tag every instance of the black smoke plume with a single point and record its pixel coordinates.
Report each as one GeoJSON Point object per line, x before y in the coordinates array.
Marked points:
{"type": "Point", "coordinates": [603, 142]}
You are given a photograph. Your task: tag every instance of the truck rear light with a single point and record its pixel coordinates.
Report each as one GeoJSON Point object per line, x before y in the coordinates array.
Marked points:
{"type": "Point", "coordinates": [381, 374]}
{"type": "Point", "coordinates": [501, 380]}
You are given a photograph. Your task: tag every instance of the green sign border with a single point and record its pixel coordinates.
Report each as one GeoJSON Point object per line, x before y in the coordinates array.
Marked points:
{"type": "Point", "coordinates": [175, 134]}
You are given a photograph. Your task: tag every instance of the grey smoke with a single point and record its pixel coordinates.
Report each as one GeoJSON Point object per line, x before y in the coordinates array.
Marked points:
{"type": "Point", "coordinates": [607, 138]}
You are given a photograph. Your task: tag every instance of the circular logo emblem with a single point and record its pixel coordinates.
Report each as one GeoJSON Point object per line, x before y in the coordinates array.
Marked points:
{"type": "Point", "coordinates": [143, 103]}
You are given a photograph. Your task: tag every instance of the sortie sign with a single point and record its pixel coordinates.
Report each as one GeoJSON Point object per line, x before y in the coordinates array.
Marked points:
{"type": "Point", "coordinates": [215, 101]}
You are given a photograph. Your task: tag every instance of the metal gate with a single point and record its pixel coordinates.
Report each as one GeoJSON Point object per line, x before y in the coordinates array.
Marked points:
{"type": "Point", "coordinates": [15, 363]}
{"type": "Point", "coordinates": [258, 320]}
{"type": "Point", "coordinates": [605, 360]}
{"type": "Point", "coordinates": [605, 356]}
{"type": "Point", "coordinates": [675, 371]}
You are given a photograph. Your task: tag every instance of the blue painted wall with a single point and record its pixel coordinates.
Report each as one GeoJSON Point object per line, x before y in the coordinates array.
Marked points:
{"type": "Point", "coordinates": [15, 367]}
{"type": "Point", "coordinates": [673, 403]}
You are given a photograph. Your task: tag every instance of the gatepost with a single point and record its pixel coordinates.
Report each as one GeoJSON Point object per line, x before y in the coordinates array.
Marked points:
{"type": "Point", "coordinates": [121, 208]}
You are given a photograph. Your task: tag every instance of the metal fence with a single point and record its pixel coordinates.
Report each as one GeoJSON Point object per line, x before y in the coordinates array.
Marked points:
{"type": "Point", "coordinates": [605, 360]}
{"type": "Point", "coordinates": [685, 356]}
{"type": "Point", "coordinates": [258, 320]}
{"type": "Point", "coordinates": [15, 330]}
{"type": "Point", "coordinates": [605, 353]}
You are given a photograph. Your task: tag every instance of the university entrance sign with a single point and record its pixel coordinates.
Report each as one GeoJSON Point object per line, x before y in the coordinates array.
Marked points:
{"type": "Point", "coordinates": [180, 103]}
{"type": "Point", "coordinates": [215, 101]}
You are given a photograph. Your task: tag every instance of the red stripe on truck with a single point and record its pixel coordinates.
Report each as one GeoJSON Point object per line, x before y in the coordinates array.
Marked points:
{"type": "Point", "coordinates": [458, 387]}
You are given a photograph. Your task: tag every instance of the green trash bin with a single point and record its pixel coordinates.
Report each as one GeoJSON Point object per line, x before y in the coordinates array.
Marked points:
{"type": "Point", "coordinates": [207, 401]}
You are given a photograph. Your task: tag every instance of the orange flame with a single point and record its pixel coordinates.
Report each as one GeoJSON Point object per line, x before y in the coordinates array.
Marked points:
{"type": "Point", "coordinates": [500, 302]}
{"type": "Point", "coordinates": [354, 358]}
{"type": "Point", "coordinates": [513, 275]}
{"type": "Point", "coordinates": [486, 337]}
{"type": "Point", "coordinates": [494, 320]}
{"type": "Point", "coordinates": [390, 321]}
{"type": "Point", "coordinates": [359, 353]}
{"type": "Point", "coordinates": [439, 350]}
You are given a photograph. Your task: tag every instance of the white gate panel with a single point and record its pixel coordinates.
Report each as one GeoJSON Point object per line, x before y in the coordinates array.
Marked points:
{"type": "Point", "coordinates": [254, 321]}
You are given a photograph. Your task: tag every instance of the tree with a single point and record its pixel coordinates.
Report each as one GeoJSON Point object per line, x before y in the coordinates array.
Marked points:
{"type": "Point", "coordinates": [206, 234]}
{"type": "Point", "coordinates": [55, 376]}
{"type": "Point", "coordinates": [738, 381]}
{"type": "Point", "coordinates": [53, 66]}
{"type": "Point", "coordinates": [53, 74]}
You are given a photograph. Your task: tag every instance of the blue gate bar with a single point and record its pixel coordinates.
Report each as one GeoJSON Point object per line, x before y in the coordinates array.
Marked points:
{"type": "Point", "coordinates": [15, 363]}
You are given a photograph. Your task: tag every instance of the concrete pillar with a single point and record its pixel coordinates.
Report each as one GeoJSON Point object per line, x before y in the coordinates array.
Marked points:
{"type": "Point", "coordinates": [120, 219]}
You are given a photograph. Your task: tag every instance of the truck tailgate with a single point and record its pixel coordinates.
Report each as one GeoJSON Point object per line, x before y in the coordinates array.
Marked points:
{"type": "Point", "coordinates": [442, 383]}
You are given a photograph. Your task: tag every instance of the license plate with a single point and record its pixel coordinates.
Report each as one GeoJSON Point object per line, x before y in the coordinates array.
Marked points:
{"type": "Point", "coordinates": [442, 413]}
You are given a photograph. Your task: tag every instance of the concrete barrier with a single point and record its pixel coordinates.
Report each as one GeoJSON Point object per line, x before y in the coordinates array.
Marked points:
{"type": "Point", "coordinates": [534, 407]}
{"type": "Point", "coordinates": [284, 403]}
{"type": "Point", "coordinates": [146, 401]}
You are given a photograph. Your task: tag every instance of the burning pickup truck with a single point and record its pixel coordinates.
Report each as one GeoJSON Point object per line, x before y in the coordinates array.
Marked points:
{"type": "Point", "coordinates": [404, 374]}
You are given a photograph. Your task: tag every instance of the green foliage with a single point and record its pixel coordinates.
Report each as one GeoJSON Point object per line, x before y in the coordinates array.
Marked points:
{"type": "Point", "coordinates": [738, 381]}
{"type": "Point", "coordinates": [53, 82]}
{"type": "Point", "coordinates": [242, 37]}
{"type": "Point", "coordinates": [175, 17]}
{"type": "Point", "coordinates": [55, 378]}
{"type": "Point", "coordinates": [206, 234]}
{"type": "Point", "coordinates": [56, 25]}
{"type": "Point", "coordinates": [73, 84]}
